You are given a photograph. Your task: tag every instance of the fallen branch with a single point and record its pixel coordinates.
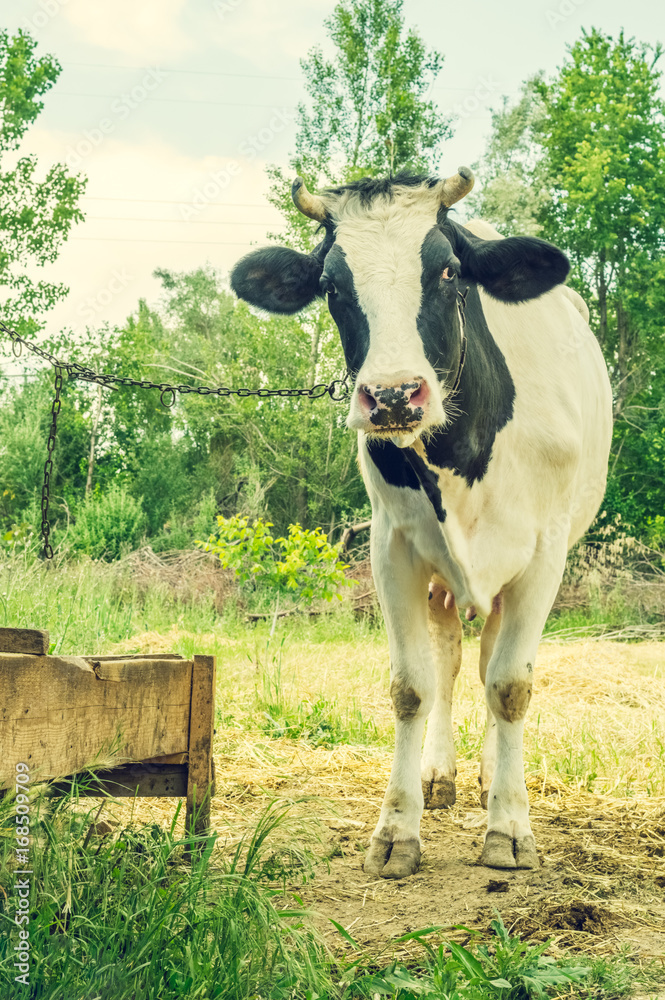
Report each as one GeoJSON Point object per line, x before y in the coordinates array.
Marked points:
{"type": "Point", "coordinates": [350, 533]}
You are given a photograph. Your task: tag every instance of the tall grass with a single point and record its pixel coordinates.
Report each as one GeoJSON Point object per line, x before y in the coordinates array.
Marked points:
{"type": "Point", "coordinates": [87, 606]}
{"type": "Point", "coordinates": [122, 917]}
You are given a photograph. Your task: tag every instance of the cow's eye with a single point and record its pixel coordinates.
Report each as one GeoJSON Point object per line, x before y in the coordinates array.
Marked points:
{"type": "Point", "coordinates": [448, 274]}
{"type": "Point", "coordinates": [327, 286]}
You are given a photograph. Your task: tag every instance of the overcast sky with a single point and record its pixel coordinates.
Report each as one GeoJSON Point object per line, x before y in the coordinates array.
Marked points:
{"type": "Point", "coordinates": [173, 108]}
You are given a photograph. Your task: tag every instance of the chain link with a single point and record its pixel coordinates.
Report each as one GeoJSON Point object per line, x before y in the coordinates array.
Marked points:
{"type": "Point", "coordinates": [337, 390]}
{"type": "Point", "coordinates": [48, 464]}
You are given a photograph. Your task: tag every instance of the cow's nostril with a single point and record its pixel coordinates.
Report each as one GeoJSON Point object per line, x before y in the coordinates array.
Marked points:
{"type": "Point", "coordinates": [366, 398]}
{"type": "Point", "coordinates": [419, 395]}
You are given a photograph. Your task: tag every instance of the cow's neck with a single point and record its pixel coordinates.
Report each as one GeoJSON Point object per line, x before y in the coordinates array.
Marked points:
{"type": "Point", "coordinates": [485, 400]}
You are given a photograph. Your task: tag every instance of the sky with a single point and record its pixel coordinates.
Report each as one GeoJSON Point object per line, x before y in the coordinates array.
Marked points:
{"type": "Point", "coordinates": [173, 109]}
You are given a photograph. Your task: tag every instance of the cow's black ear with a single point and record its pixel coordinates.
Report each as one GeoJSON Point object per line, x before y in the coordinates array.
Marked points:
{"type": "Point", "coordinates": [515, 269]}
{"type": "Point", "coordinates": [278, 279]}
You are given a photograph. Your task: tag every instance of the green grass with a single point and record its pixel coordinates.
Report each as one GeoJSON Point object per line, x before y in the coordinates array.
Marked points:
{"type": "Point", "coordinates": [122, 917]}
{"type": "Point", "coordinates": [88, 606]}
{"type": "Point", "coordinates": [318, 721]}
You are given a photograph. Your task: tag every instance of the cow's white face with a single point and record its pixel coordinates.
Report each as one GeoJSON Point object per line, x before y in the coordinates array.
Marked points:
{"type": "Point", "coordinates": [394, 270]}
{"type": "Point", "coordinates": [377, 259]}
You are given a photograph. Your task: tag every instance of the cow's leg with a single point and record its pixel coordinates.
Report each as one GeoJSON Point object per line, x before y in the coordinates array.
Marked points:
{"type": "Point", "coordinates": [509, 842]}
{"type": "Point", "coordinates": [401, 582]}
{"type": "Point", "coordinates": [488, 759]}
{"type": "Point", "coordinates": [438, 769]}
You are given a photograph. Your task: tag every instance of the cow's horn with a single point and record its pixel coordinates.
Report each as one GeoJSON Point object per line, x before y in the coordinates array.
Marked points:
{"type": "Point", "coordinates": [309, 204]}
{"type": "Point", "coordinates": [455, 187]}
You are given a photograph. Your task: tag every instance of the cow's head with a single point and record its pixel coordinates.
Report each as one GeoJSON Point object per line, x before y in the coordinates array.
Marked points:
{"type": "Point", "coordinates": [395, 271]}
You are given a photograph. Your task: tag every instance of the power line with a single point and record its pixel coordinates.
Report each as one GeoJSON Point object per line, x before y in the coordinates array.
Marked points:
{"type": "Point", "coordinates": [173, 201]}
{"type": "Point", "coordinates": [221, 104]}
{"type": "Point", "coordinates": [175, 100]}
{"type": "Point", "coordinates": [120, 239]}
{"type": "Point", "coordinates": [244, 76]}
{"type": "Point", "coordinates": [189, 72]}
{"type": "Point", "coordinates": [179, 222]}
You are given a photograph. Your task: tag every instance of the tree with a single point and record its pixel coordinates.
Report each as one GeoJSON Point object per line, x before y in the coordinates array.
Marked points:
{"type": "Point", "coordinates": [603, 133]}
{"type": "Point", "coordinates": [35, 215]}
{"type": "Point", "coordinates": [581, 158]}
{"type": "Point", "coordinates": [369, 113]}
{"type": "Point", "coordinates": [513, 188]}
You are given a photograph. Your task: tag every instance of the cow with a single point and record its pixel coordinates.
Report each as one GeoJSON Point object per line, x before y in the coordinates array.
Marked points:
{"type": "Point", "coordinates": [484, 416]}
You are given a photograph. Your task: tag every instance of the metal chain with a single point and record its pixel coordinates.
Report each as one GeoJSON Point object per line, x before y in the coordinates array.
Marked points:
{"type": "Point", "coordinates": [48, 464]}
{"type": "Point", "coordinates": [338, 390]}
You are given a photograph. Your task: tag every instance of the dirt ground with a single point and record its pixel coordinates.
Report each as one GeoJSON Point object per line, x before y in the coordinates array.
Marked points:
{"type": "Point", "coordinates": [601, 883]}
{"type": "Point", "coordinates": [595, 766]}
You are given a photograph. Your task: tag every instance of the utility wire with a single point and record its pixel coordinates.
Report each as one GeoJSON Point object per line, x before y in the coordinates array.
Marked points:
{"type": "Point", "coordinates": [174, 201]}
{"type": "Point", "coordinates": [120, 239]}
{"type": "Point", "coordinates": [212, 72]}
{"type": "Point", "coordinates": [175, 100]}
{"type": "Point", "coordinates": [179, 222]}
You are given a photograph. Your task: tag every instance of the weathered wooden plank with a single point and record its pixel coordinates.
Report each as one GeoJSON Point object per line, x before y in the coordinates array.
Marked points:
{"type": "Point", "coordinates": [60, 714]}
{"type": "Point", "coordinates": [201, 729]}
{"type": "Point", "coordinates": [24, 640]}
{"type": "Point", "coordinates": [150, 780]}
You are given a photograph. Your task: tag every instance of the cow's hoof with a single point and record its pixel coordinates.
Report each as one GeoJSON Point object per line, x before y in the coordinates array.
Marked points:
{"type": "Point", "coordinates": [439, 793]}
{"type": "Point", "coordinates": [525, 853]}
{"type": "Point", "coordinates": [392, 860]}
{"type": "Point", "coordinates": [498, 851]}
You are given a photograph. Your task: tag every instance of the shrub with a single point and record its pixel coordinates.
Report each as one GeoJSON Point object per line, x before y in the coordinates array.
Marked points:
{"type": "Point", "coordinates": [304, 565]}
{"type": "Point", "coordinates": [108, 524]}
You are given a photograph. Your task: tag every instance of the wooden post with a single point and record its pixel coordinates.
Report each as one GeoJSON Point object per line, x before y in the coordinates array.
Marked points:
{"type": "Point", "coordinates": [24, 640]}
{"type": "Point", "coordinates": [201, 730]}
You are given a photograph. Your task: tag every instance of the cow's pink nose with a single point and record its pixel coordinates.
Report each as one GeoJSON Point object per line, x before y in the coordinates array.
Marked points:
{"type": "Point", "coordinates": [398, 405]}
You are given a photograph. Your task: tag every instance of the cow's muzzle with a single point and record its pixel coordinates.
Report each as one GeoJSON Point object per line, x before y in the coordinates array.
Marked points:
{"type": "Point", "coordinates": [397, 407]}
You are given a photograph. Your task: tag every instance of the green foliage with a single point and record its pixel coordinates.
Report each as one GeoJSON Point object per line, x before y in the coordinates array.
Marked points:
{"type": "Point", "coordinates": [19, 535]}
{"type": "Point", "coordinates": [508, 969]}
{"type": "Point", "coordinates": [22, 457]}
{"type": "Point", "coordinates": [35, 215]}
{"type": "Point", "coordinates": [289, 460]}
{"type": "Point", "coordinates": [121, 916]}
{"type": "Point", "coordinates": [302, 565]}
{"type": "Point", "coordinates": [513, 188]}
{"type": "Point", "coordinates": [108, 524]}
{"type": "Point", "coordinates": [318, 721]}
{"type": "Point", "coordinates": [369, 111]}
{"type": "Point", "coordinates": [580, 159]}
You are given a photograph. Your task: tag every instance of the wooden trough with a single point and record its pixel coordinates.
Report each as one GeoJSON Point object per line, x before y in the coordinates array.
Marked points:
{"type": "Point", "coordinates": [153, 714]}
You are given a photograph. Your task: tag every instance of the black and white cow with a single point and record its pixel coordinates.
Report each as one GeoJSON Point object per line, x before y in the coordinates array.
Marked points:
{"type": "Point", "coordinates": [483, 411]}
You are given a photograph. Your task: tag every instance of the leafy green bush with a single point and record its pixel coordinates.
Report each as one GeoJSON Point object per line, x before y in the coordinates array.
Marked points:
{"type": "Point", "coordinates": [108, 524]}
{"type": "Point", "coordinates": [304, 565]}
{"type": "Point", "coordinates": [18, 533]}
